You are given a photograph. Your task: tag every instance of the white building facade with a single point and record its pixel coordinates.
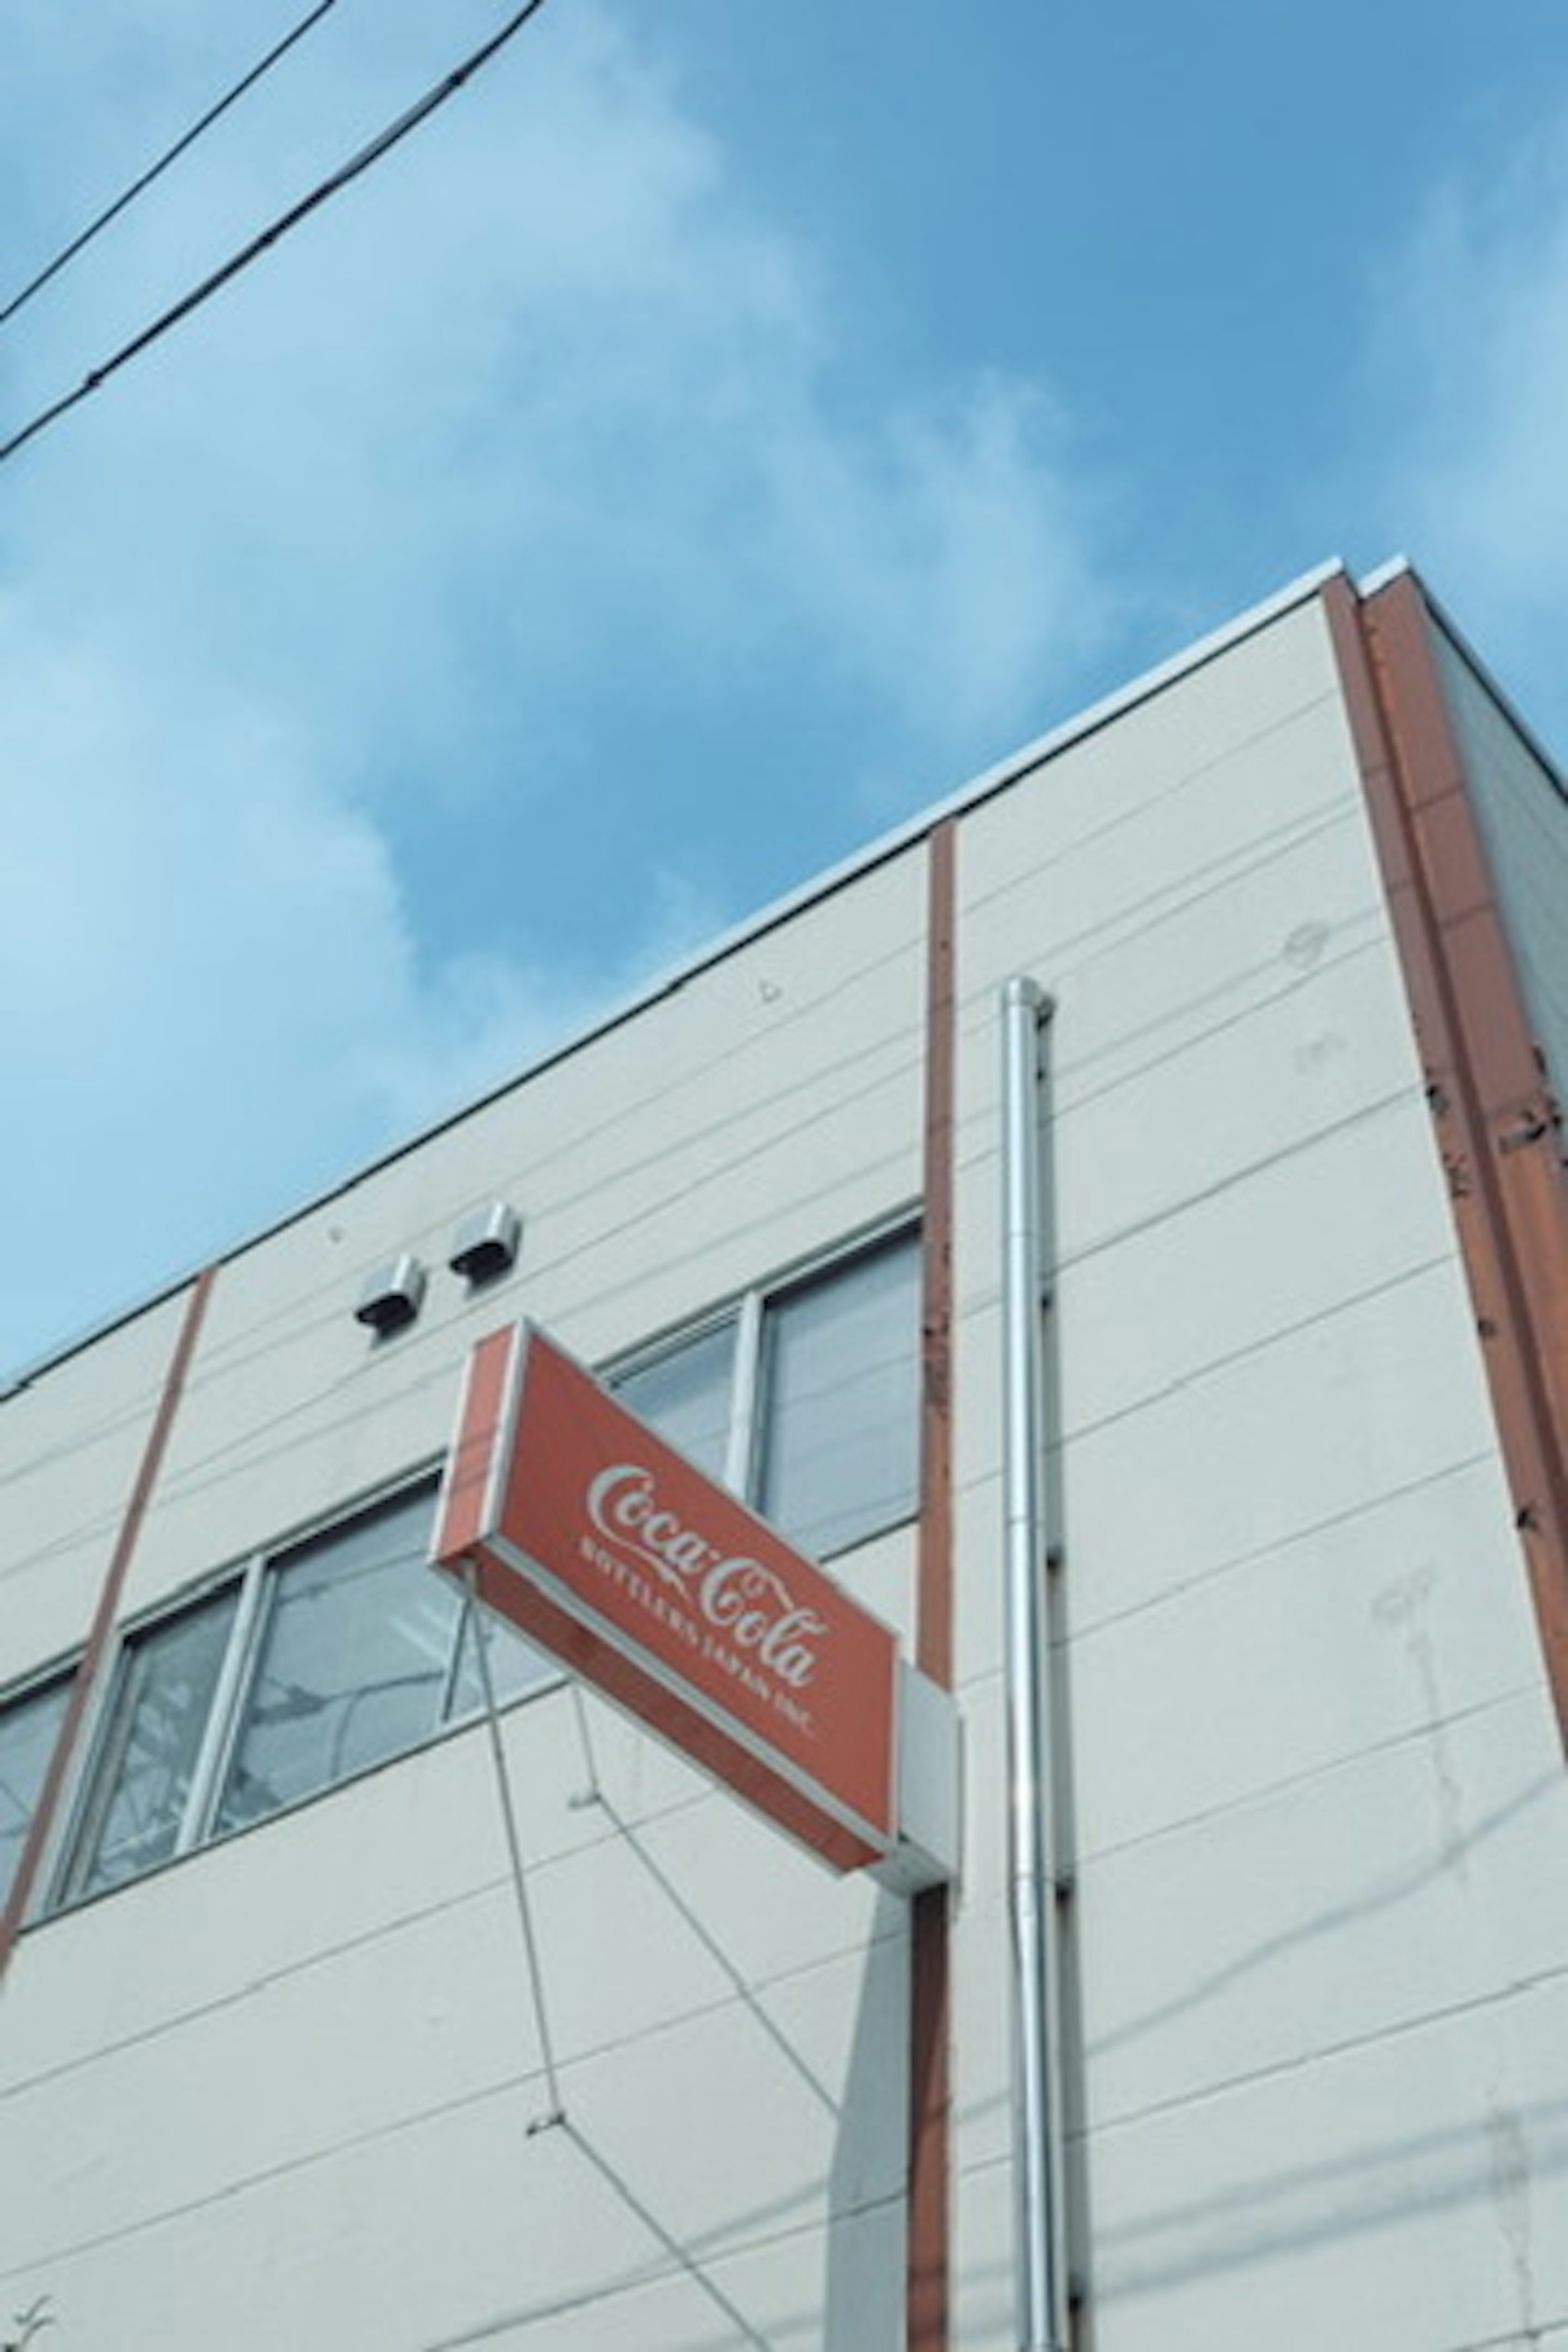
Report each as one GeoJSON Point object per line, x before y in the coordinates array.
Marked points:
{"type": "Point", "coordinates": [298, 2046]}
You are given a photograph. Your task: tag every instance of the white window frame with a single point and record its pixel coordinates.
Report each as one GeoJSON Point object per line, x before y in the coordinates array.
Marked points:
{"type": "Point", "coordinates": [56, 1676]}
{"type": "Point", "coordinates": [93, 1794]}
{"type": "Point", "coordinates": [748, 1310]}
{"type": "Point", "coordinates": [255, 1580]}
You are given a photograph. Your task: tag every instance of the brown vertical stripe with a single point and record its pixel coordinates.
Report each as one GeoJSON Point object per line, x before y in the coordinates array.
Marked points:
{"type": "Point", "coordinates": [933, 1651]}
{"type": "Point", "coordinates": [1484, 1078]}
{"type": "Point", "coordinates": [927, 2292]}
{"type": "Point", "coordinates": [927, 2282]}
{"type": "Point", "coordinates": [91, 1659]}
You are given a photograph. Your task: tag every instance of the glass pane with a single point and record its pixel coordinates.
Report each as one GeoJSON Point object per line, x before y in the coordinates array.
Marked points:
{"type": "Point", "coordinates": [516, 1665]}
{"type": "Point", "coordinates": [684, 1393]}
{"type": "Point", "coordinates": [354, 1659]}
{"type": "Point", "coordinates": [27, 1731]}
{"type": "Point", "coordinates": [154, 1736]}
{"type": "Point", "coordinates": [841, 1400]}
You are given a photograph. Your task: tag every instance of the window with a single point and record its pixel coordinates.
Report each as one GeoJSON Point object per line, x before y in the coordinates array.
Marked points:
{"type": "Point", "coordinates": [352, 1663]}
{"type": "Point", "coordinates": [805, 1398]}
{"type": "Point", "coordinates": [320, 1661]}
{"type": "Point", "coordinates": [146, 1766]}
{"type": "Point", "coordinates": [685, 1392]}
{"type": "Point", "coordinates": [838, 1424]}
{"type": "Point", "coordinates": [332, 1654]}
{"type": "Point", "coordinates": [28, 1728]}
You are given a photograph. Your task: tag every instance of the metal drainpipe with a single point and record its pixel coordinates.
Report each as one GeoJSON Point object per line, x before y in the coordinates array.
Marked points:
{"type": "Point", "coordinates": [1043, 2323]}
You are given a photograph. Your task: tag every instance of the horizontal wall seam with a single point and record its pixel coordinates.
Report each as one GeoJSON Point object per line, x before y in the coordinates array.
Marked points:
{"type": "Point", "coordinates": [1264, 1794]}
{"type": "Point", "coordinates": [1330, 2054]}
{"type": "Point", "coordinates": [492, 1891]}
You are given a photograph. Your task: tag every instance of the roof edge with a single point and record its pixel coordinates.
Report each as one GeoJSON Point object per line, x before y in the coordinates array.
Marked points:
{"type": "Point", "coordinates": [667, 982]}
{"type": "Point", "coordinates": [1486, 676]}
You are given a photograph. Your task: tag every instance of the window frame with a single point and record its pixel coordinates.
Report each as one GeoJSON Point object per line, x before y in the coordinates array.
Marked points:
{"type": "Point", "coordinates": [56, 1677]}
{"type": "Point", "coordinates": [256, 1576]}
{"type": "Point", "coordinates": [270, 1570]}
{"type": "Point", "coordinates": [254, 1579]}
{"type": "Point", "coordinates": [745, 1454]}
{"type": "Point", "coordinates": [106, 1741]}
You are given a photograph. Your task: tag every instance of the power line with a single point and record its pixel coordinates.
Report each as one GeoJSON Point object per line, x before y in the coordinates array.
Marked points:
{"type": "Point", "coordinates": [100, 220]}
{"type": "Point", "coordinates": [357, 164]}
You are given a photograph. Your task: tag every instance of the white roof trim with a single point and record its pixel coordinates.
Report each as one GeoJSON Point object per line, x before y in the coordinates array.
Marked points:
{"type": "Point", "coordinates": [1394, 569]}
{"type": "Point", "coordinates": [889, 844]}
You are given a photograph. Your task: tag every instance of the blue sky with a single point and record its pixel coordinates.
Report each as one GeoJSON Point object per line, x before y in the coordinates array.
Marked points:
{"type": "Point", "coordinates": [720, 431]}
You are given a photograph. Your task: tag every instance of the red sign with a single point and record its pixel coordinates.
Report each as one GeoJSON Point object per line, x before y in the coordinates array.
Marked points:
{"type": "Point", "coordinates": [607, 1547]}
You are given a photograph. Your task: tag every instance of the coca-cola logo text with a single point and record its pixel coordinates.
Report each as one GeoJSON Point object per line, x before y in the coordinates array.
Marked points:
{"type": "Point", "coordinates": [749, 1604]}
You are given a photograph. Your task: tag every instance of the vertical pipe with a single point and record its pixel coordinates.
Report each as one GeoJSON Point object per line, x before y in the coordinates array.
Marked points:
{"type": "Point", "coordinates": [1041, 2265]}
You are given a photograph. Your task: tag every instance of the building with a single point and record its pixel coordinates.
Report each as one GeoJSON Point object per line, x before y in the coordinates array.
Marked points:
{"type": "Point", "coordinates": [279, 2063]}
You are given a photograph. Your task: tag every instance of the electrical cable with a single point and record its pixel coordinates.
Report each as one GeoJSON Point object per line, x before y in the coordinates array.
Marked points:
{"type": "Point", "coordinates": [275, 230]}
{"type": "Point", "coordinates": [155, 171]}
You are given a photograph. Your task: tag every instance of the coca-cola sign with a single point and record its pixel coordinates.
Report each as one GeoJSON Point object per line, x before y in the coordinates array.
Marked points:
{"type": "Point", "coordinates": [590, 1533]}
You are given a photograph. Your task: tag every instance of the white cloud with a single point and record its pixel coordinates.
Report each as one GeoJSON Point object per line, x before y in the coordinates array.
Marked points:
{"type": "Point", "coordinates": [1471, 364]}
{"type": "Point", "coordinates": [948, 562]}
{"type": "Point", "coordinates": [550, 367]}
{"type": "Point", "coordinates": [541, 421]}
{"type": "Point", "coordinates": [211, 1000]}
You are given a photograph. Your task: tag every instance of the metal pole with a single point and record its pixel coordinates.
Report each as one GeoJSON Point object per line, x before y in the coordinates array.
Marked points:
{"type": "Point", "coordinates": [1041, 2253]}
{"type": "Point", "coordinates": [478, 1626]}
